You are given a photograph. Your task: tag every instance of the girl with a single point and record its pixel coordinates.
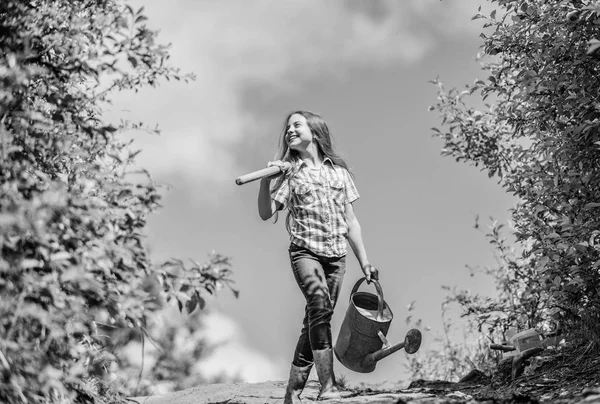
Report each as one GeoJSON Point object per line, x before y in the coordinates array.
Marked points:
{"type": "Point", "coordinates": [318, 192]}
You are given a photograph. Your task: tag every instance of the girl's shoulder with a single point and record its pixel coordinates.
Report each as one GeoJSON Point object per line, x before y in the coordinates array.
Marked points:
{"type": "Point", "coordinates": [340, 170]}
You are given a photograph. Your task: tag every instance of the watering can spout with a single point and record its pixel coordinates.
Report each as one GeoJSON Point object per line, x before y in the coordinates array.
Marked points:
{"type": "Point", "coordinates": [411, 344]}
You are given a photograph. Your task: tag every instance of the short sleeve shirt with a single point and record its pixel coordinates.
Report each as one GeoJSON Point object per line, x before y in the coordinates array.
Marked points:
{"type": "Point", "coordinates": [317, 200]}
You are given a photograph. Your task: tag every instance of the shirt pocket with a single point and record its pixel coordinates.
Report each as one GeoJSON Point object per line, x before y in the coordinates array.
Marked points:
{"type": "Point", "coordinates": [304, 195]}
{"type": "Point", "coordinates": [338, 192]}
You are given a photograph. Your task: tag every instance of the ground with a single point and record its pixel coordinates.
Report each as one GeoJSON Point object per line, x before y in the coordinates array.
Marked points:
{"type": "Point", "coordinates": [558, 377]}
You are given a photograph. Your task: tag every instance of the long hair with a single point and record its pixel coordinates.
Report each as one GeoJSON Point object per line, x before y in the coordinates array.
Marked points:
{"type": "Point", "coordinates": [321, 137]}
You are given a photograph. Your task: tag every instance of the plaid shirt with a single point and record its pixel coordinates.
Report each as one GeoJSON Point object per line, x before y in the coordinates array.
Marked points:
{"type": "Point", "coordinates": [316, 200]}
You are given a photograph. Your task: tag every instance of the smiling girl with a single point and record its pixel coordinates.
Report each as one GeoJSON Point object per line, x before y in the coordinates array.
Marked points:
{"type": "Point", "coordinates": [318, 192]}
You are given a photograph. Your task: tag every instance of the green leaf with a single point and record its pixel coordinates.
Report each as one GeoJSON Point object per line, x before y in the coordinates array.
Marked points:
{"type": "Point", "coordinates": [133, 61]}
{"type": "Point", "coordinates": [191, 304]}
{"type": "Point", "coordinates": [60, 256]}
{"type": "Point", "coordinates": [593, 45]}
{"type": "Point", "coordinates": [201, 302]}
{"type": "Point", "coordinates": [31, 263]}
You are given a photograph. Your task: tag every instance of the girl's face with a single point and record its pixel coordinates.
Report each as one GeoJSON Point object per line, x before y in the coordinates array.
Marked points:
{"type": "Point", "coordinates": [298, 135]}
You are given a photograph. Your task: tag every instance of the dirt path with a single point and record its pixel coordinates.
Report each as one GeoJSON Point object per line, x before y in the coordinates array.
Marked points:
{"type": "Point", "coordinates": [423, 393]}
{"type": "Point", "coordinates": [272, 392]}
{"type": "Point", "coordinates": [570, 377]}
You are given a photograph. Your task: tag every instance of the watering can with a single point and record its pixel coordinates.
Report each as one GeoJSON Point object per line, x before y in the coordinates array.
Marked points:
{"type": "Point", "coordinates": [362, 338]}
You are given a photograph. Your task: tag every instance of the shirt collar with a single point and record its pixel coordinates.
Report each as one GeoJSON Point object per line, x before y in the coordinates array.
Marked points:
{"type": "Point", "coordinates": [302, 163]}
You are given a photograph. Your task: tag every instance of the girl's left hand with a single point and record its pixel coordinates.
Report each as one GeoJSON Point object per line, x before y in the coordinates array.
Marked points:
{"type": "Point", "coordinates": [370, 272]}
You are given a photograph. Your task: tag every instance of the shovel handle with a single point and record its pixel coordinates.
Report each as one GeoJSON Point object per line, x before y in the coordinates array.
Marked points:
{"type": "Point", "coordinates": [379, 294]}
{"type": "Point", "coordinates": [265, 172]}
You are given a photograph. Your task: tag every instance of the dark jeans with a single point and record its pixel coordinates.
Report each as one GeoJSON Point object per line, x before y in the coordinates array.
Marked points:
{"type": "Point", "coordinates": [320, 280]}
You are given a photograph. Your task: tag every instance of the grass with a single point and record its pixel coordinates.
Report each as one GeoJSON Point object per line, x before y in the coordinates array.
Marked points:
{"type": "Point", "coordinates": [342, 382]}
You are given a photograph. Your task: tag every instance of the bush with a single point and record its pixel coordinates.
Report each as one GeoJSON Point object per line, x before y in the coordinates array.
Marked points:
{"type": "Point", "coordinates": [540, 138]}
{"type": "Point", "coordinates": [538, 134]}
{"type": "Point", "coordinates": [72, 208]}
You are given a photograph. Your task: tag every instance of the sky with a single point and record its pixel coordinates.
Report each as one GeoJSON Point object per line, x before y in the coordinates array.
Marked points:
{"type": "Point", "coordinates": [364, 66]}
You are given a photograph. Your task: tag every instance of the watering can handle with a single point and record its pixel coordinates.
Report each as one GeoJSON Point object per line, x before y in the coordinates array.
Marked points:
{"type": "Point", "coordinates": [379, 294]}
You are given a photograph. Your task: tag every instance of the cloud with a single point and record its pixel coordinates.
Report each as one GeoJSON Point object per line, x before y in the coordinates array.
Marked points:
{"type": "Point", "coordinates": [274, 45]}
{"type": "Point", "coordinates": [233, 358]}
{"type": "Point", "coordinates": [228, 355]}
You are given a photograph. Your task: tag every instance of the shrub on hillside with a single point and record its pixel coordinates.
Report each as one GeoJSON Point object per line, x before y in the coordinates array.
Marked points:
{"type": "Point", "coordinates": [538, 133]}
{"type": "Point", "coordinates": [72, 210]}
{"type": "Point", "coordinates": [540, 137]}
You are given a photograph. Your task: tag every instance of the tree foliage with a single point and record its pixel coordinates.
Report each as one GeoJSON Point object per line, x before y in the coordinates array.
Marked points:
{"type": "Point", "coordinates": [453, 353]}
{"type": "Point", "coordinates": [72, 208]}
{"type": "Point", "coordinates": [519, 304]}
{"type": "Point", "coordinates": [538, 133]}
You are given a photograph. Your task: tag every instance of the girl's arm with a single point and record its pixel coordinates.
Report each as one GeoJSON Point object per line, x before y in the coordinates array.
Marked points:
{"type": "Point", "coordinates": [266, 205]}
{"type": "Point", "coordinates": [358, 247]}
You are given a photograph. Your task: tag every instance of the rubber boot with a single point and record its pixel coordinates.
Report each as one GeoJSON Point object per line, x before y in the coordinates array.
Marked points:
{"type": "Point", "coordinates": [296, 383]}
{"type": "Point", "coordinates": [324, 362]}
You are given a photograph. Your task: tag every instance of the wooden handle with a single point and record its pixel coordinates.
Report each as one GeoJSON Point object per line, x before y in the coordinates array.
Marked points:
{"type": "Point", "coordinates": [265, 172]}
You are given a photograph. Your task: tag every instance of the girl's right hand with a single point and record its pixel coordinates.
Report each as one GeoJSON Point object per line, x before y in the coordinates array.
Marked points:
{"type": "Point", "coordinates": [277, 163]}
